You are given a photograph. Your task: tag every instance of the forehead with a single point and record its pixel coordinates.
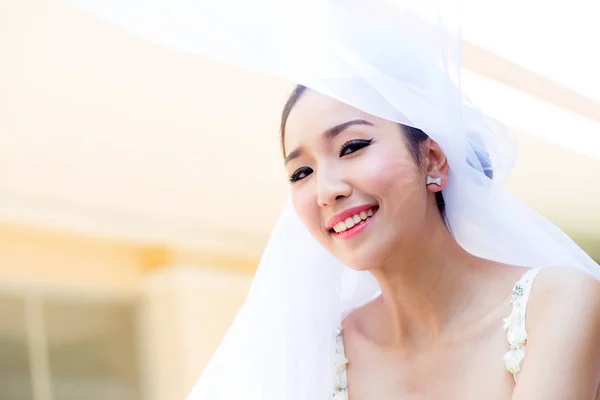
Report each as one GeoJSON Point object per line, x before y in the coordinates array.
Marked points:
{"type": "Point", "coordinates": [313, 114]}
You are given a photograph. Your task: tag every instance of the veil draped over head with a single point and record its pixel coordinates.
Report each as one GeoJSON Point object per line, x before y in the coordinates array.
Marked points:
{"type": "Point", "coordinates": [395, 59]}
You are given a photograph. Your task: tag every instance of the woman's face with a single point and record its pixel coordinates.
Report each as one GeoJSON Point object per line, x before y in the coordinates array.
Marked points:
{"type": "Point", "coordinates": [355, 183]}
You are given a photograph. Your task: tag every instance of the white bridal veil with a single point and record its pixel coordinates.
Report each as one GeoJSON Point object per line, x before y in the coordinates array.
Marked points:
{"type": "Point", "coordinates": [396, 59]}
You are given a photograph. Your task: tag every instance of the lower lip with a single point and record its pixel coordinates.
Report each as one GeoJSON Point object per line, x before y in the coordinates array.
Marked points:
{"type": "Point", "coordinates": [355, 230]}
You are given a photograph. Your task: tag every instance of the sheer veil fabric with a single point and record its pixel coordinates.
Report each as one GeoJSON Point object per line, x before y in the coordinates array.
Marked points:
{"type": "Point", "coordinates": [396, 59]}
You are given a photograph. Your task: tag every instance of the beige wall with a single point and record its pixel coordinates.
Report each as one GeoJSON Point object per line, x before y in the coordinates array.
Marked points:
{"type": "Point", "coordinates": [186, 299]}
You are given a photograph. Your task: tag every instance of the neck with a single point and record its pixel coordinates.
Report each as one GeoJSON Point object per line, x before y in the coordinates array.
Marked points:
{"type": "Point", "coordinates": [427, 285]}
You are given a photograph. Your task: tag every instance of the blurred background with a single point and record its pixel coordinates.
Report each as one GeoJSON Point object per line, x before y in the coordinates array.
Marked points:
{"type": "Point", "coordinates": [138, 186]}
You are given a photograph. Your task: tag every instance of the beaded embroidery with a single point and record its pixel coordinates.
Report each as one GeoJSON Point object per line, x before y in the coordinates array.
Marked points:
{"type": "Point", "coordinates": [340, 385]}
{"type": "Point", "coordinates": [514, 324]}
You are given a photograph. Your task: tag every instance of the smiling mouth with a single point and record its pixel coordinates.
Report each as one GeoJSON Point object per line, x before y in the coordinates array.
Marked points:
{"type": "Point", "coordinates": [354, 221]}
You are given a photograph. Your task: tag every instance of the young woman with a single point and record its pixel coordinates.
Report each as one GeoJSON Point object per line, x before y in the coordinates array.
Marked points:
{"type": "Point", "coordinates": [369, 190]}
{"type": "Point", "coordinates": [400, 269]}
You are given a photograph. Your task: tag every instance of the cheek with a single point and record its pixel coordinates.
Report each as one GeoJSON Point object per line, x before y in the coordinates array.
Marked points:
{"type": "Point", "coordinates": [306, 207]}
{"type": "Point", "coordinates": [392, 176]}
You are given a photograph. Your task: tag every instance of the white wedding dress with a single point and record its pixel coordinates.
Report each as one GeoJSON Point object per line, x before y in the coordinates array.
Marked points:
{"type": "Point", "coordinates": [514, 325]}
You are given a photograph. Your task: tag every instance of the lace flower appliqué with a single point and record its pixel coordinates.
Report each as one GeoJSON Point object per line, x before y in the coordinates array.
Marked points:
{"type": "Point", "coordinates": [516, 334]}
{"type": "Point", "coordinates": [340, 384]}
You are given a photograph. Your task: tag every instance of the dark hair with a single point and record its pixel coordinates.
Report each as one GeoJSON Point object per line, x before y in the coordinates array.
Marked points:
{"type": "Point", "coordinates": [414, 138]}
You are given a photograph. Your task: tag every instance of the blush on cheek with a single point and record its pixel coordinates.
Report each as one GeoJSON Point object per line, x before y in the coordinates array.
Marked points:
{"type": "Point", "coordinates": [385, 174]}
{"type": "Point", "coordinates": [395, 182]}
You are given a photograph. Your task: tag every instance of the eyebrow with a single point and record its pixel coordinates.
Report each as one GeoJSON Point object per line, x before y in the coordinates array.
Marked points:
{"type": "Point", "coordinates": [329, 135]}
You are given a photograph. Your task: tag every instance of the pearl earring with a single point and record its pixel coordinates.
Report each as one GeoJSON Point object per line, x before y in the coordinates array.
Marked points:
{"type": "Point", "coordinates": [437, 181]}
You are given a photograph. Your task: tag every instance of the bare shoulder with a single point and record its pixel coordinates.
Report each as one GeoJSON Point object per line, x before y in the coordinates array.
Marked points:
{"type": "Point", "coordinates": [558, 277]}
{"type": "Point", "coordinates": [563, 337]}
{"type": "Point", "coordinates": [560, 285]}
{"type": "Point", "coordinates": [564, 294]}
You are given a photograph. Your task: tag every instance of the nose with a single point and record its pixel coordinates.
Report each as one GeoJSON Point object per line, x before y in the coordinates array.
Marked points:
{"type": "Point", "coordinates": [331, 187]}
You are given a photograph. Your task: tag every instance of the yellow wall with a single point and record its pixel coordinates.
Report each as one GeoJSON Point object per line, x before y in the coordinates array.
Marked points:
{"type": "Point", "coordinates": [56, 261]}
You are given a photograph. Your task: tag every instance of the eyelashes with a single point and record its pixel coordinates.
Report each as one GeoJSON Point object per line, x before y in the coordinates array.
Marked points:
{"type": "Point", "coordinates": [346, 149]}
{"type": "Point", "coordinates": [353, 145]}
{"type": "Point", "coordinates": [300, 173]}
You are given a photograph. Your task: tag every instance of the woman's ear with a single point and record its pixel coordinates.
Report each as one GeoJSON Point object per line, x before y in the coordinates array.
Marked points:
{"type": "Point", "coordinates": [437, 167]}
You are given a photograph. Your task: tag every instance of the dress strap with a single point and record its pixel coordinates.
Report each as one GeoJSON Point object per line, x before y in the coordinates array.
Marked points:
{"type": "Point", "coordinates": [514, 324]}
{"type": "Point", "coordinates": [340, 389]}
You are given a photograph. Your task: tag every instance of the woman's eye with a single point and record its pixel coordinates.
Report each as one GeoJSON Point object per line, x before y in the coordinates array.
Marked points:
{"type": "Point", "coordinates": [354, 145]}
{"type": "Point", "coordinates": [300, 173]}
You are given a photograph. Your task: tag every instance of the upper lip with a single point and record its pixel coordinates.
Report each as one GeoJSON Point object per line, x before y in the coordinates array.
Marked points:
{"type": "Point", "coordinates": [336, 219]}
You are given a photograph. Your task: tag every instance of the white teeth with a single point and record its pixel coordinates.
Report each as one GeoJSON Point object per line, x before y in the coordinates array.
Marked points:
{"type": "Point", "coordinates": [351, 221]}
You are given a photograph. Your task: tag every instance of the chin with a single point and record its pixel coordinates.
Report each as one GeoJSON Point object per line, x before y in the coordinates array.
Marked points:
{"type": "Point", "coordinates": [363, 261]}
{"type": "Point", "coordinates": [361, 266]}
{"type": "Point", "coordinates": [361, 256]}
